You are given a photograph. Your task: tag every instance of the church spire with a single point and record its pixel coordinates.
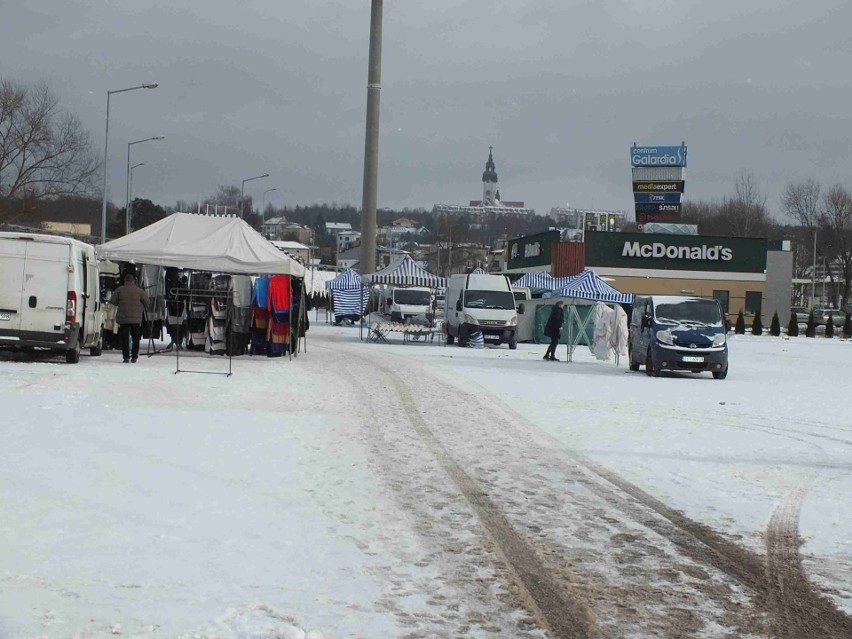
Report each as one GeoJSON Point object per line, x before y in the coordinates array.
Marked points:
{"type": "Point", "coordinates": [489, 175]}
{"type": "Point", "coordinates": [489, 181]}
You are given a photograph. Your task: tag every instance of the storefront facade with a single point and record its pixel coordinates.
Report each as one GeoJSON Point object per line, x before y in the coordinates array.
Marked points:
{"type": "Point", "coordinates": [744, 274]}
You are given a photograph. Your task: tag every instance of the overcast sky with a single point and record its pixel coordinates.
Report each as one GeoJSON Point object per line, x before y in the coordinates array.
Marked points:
{"type": "Point", "coordinates": [560, 88]}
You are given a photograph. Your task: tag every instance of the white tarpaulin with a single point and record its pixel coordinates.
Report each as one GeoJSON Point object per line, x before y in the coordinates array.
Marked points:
{"type": "Point", "coordinates": [610, 332]}
{"type": "Point", "coordinates": [202, 243]}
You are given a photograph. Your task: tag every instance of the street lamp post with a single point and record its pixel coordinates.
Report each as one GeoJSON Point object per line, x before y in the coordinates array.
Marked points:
{"type": "Point", "coordinates": [813, 274]}
{"type": "Point", "coordinates": [147, 85]}
{"type": "Point", "coordinates": [243, 189]}
{"type": "Point", "coordinates": [127, 201]}
{"type": "Point", "coordinates": [130, 197]}
{"type": "Point", "coordinates": [263, 207]}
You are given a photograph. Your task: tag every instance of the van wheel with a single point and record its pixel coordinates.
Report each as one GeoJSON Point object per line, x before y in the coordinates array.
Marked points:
{"type": "Point", "coordinates": [513, 344]}
{"type": "Point", "coordinates": [651, 367]}
{"type": "Point", "coordinates": [720, 374]}
{"type": "Point", "coordinates": [72, 356]}
{"type": "Point", "coordinates": [98, 349]}
{"type": "Point", "coordinates": [634, 365]}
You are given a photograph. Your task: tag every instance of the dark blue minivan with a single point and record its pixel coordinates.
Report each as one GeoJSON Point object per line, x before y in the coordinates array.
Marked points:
{"type": "Point", "coordinates": [678, 333]}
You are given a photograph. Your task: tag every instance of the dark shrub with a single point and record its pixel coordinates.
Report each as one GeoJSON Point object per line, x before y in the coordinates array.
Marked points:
{"type": "Point", "coordinates": [810, 331]}
{"type": "Point", "coordinates": [775, 325]}
{"type": "Point", "coordinates": [793, 326]}
{"type": "Point", "coordinates": [739, 328]}
{"type": "Point", "coordinates": [757, 325]}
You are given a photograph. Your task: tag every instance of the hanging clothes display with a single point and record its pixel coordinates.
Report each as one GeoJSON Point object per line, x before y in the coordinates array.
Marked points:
{"type": "Point", "coordinates": [197, 310]}
{"type": "Point", "coordinates": [238, 325]}
{"type": "Point", "coordinates": [259, 316]}
{"type": "Point", "coordinates": [278, 306]}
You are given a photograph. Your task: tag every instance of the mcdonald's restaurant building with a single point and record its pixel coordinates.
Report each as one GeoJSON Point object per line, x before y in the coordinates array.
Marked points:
{"type": "Point", "coordinates": [745, 274]}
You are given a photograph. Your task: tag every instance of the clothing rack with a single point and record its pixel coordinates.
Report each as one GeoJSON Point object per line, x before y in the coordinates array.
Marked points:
{"type": "Point", "coordinates": [188, 295]}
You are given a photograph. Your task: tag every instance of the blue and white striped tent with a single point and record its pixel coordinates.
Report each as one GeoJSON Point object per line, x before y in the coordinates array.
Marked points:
{"type": "Point", "coordinates": [478, 271]}
{"type": "Point", "coordinates": [348, 279]}
{"type": "Point", "coordinates": [346, 291]}
{"type": "Point", "coordinates": [535, 280]}
{"type": "Point", "coordinates": [405, 272]}
{"type": "Point", "coordinates": [588, 286]}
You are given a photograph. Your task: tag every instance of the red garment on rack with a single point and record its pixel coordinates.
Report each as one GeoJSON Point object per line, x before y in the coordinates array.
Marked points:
{"type": "Point", "coordinates": [279, 293]}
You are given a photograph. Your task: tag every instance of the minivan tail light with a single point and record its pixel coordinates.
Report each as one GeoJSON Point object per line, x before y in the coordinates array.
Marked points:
{"type": "Point", "coordinates": [71, 307]}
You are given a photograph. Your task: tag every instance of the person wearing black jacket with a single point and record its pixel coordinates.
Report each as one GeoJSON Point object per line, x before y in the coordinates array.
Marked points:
{"type": "Point", "coordinates": [553, 329]}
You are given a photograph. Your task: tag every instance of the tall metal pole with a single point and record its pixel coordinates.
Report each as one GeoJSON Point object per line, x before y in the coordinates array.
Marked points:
{"type": "Point", "coordinates": [127, 195]}
{"type": "Point", "coordinates": [104, 185]}
{"type": "Point", "coordinates": [371, 145]}
{"type": "Point", "coordinates": [813, 274]}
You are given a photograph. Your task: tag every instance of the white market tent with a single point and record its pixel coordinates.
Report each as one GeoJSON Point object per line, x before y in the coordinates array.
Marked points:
{"type": "Point", "coordinates": [405, 272]}
{"type": "Point", "coordinates": [202, 243]}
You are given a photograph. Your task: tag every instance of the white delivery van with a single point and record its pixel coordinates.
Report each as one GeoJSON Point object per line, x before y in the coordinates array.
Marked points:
{"type": "Point", "coordinates": [483, 303]}
{"type": "Point", "coordinates": [403, 303]}
{"type": "Point", "coordinates": [49, 295]}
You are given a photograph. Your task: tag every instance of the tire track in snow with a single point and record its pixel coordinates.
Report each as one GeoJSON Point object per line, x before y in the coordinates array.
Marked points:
{"type": "Point", "coordinates": [802, 612]}
{"type": "Point", "coordinates": [560, 612]}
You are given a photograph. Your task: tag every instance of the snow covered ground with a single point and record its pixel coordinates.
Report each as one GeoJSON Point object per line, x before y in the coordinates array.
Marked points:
{"type": "Point", "coordinates": [330, 496]}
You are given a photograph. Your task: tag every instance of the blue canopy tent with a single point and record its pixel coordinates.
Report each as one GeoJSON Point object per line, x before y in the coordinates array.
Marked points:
{"type": "Point", "coordinates": [348, 294]}
{"type": "Point", "coordinates": [587, 286]}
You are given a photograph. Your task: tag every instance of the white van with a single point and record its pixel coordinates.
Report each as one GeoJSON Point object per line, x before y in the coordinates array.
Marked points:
{"type": "Point", "coordinates": [49, 295]}
{"type": "Point", "coordinates": [483, 303]}
{"type": "Point", "coordinates": [403, 303]}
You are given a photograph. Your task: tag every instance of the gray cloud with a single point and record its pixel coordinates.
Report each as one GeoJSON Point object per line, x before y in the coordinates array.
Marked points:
{"type": "Point", "coordinates": [561, 89]}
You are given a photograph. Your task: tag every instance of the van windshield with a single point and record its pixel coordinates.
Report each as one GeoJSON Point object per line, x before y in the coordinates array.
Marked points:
{"type": "Point", "coordinates": [502, 300]}
{"type": "Point", "coordinates": [412, 298]}
{"type": "Point", "coordinates": [689, 312]}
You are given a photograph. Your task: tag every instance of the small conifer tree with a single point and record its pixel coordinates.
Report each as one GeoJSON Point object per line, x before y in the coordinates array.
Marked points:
{"type": "Point", "coordinates": [847, 326]}
{"type": "Point", "coordinates": [739, 328]}
{"type": "Point", "coordinates": [810, 331]}
{"type": "Point", "coordinates": [829, 327]}
{"type": "Point", "coordinates": [793, 326]}
{"type": "Point", "coordinates": [757, 325]}
{"type": "Point", "coordinates": [775, 325]}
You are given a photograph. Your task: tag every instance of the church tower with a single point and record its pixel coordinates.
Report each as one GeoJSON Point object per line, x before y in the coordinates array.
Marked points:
{"type": "Point", "coordinates": [489, 182]}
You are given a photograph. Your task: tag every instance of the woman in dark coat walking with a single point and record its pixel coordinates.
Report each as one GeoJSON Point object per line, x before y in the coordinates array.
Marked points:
{"type": "Point", "coordinates": [553, 329]}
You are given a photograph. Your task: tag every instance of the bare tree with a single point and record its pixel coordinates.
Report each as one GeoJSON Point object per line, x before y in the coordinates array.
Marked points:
{"type": "Point", "coordinates": [836, 227]}
{"type": "Point", "coordinates": [746, 213]}
{"type": "Point", "coordinates": [801, 202]}
{"type": "Point", "coordinates": [44, 151]}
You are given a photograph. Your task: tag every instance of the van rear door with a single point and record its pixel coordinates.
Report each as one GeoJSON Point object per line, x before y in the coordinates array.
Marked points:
{"type": "Point", "coordinates": [13, 254]}
{"type": "Point", "coordinates": [46, 277]}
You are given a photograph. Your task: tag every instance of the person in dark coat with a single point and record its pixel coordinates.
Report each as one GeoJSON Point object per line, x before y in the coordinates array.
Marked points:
{"type": "Point", "coordinates": [130, 300]}
{"type": "Point", "coordinates": [553, 329]}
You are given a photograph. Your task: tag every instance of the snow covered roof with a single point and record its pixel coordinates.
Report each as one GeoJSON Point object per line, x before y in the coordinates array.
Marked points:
{"type": "Point", "coordinates": [202, 243]}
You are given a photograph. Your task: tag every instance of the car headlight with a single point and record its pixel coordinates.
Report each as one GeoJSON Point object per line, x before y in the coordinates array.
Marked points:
{"type": "Point", "coordinates": [665, 336]}
{"type": "Point", "coordinates": [470, 319]}
{"type": "Point", "coordinates": [513, 321]}
{"type": "Point", "coordinates": [719, 340]}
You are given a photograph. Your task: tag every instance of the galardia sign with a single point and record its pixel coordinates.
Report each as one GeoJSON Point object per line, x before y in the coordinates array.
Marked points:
{"type": "Point", "coordinates": [704, 252]}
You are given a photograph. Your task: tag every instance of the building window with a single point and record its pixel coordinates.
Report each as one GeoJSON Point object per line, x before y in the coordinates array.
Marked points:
{"type": "Point", "coordinates": [752, 302]}
{"type": "Point", "coordinates": [723, 297]}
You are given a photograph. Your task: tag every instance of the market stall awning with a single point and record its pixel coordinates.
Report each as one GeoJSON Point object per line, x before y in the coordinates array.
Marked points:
{"type": "Point", "coordinates": [347, 280]}
{"type": "Point", "coordinates": [202, 243]}
{"type": "Point", "coordinates": [405, 272]}
{"type": "Point", "coordinates": [589, 286]}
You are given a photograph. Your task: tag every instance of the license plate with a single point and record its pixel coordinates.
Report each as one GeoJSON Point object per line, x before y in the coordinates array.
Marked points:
{"type": "Point", "coordinates": [693, 359]}
{"type": "Point", "coordinates": [5, 317]}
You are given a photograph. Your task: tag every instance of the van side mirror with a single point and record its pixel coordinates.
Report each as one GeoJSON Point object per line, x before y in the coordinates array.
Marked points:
{"type": "Point", "coordinates": [521, 309]}
{"type": "Point", "coordinates": [727, 326]}
{"type": "Point", "coordinates": [459, 305]}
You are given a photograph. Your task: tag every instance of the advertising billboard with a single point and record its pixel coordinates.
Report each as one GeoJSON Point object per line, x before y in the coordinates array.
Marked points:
{"type": "Point", "coordinates": [676, 252]}
{"type": "Point", "coordinates": [658, 186]}
{"type": "Point", "coordinates": [530, 251]}
{"type": "Point", "coordinates": [655, 156]}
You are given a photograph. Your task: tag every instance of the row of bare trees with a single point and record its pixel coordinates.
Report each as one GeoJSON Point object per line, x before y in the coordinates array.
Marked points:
{"type": "Point", "coordinates": [825, 215]}
{"type": "Point", "coordinates": [45, 152]}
